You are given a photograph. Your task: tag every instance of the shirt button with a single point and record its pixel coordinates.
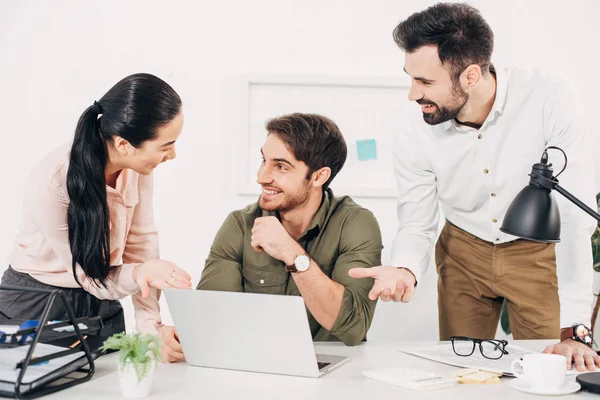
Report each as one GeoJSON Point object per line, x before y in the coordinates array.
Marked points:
{"type": "Point", "coordinates": [494, 220]}
{"type": "Point", "coordinates": [262, 281]}
{"type": "Point", "coordinates": [485, 171]}
{"type": "Point", "coordinates": [493, 195]}
{"type": "Point", "coordinates": [480, 136]}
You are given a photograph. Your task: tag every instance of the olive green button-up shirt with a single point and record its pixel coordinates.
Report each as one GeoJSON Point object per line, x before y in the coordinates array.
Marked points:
{"type": "Point", "coordinates": [341, 236]}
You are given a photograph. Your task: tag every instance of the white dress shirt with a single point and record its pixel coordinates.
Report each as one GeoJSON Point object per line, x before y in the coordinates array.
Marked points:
{"type": "Point", "coordinates": [475, 174]}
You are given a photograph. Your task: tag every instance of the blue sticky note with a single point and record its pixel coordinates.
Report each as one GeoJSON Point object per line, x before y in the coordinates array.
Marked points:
{"type": "Point", "coordinates": [366, 149]}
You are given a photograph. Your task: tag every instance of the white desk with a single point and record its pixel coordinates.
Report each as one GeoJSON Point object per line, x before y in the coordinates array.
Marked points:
{"type": "Point", "coordinates": [180, 381]}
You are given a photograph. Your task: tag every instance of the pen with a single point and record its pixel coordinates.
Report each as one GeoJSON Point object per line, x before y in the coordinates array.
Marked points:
{"type": "Point", "coordinates": [77, 342]}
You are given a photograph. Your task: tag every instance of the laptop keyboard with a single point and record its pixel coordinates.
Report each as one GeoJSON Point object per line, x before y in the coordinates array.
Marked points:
{"type": "Point", "coordinates": [322, 364]}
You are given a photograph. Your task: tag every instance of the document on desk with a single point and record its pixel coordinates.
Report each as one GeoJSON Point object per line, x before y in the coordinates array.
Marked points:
{"type": "Point", "coordinates": [9, 329]}
{"type": "Point", "coordinates": [443, 353]}
{"type": "Point", "coordinates": [11, 356]}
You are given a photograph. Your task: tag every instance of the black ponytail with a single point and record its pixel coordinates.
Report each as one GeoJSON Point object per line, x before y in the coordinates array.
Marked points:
{"type": "Point", "coordinates": [87, 216]}
{"type": "Point", "coordinates": [133, 109]}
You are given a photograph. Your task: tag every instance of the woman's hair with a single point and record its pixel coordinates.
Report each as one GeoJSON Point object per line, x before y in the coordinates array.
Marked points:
{"type": "Point", "coordinates": [133, 109]}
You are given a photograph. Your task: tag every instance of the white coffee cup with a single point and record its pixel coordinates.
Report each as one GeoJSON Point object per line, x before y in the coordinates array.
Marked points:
{"type": "Point", "coordinates": [545, 371]}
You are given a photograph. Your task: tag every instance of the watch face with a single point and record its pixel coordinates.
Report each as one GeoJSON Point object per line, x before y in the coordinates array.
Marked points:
{"type": "Point", "coordinates": [583, 334]}
{"type": "Point", "coordinates": [302, 263]}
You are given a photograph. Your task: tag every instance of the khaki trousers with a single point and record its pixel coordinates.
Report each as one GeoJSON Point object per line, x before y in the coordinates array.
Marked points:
{"type": "Point", "coordinates": [475, 276]}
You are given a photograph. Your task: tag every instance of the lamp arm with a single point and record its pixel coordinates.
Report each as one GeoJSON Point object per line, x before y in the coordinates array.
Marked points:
{"type": "Point", "coordinates": [576, 201]}
{"type": "Point", "coordinates": [538, 179]}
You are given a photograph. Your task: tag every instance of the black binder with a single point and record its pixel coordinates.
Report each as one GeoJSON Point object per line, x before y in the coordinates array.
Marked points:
{"type": "Point", "coordinates": [77, 371]}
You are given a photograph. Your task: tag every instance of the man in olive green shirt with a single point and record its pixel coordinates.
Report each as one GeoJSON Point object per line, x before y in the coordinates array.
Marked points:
{"type": "Point", "coordinates": [299, 239]}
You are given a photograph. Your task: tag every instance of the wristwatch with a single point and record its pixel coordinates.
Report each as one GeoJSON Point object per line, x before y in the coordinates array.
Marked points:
{"type": "Point", "coordinates": [301, 264]}
{"type": "Point", "coordinates": [579, 333]}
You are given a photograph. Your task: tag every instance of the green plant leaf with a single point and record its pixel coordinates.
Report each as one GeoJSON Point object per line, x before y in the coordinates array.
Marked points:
{"type": "Point", "coordinates": [504, 322]}
{"type": "Point", "coordinates": [596, 242]}
{"type": "Point", "coordinates": [138, 349]}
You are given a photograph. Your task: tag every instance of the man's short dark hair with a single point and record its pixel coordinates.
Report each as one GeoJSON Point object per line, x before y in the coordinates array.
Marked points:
{"type": "Point", "coordinates": [461, 34]}
{"type": "Point", "coordinates": [312, 139]}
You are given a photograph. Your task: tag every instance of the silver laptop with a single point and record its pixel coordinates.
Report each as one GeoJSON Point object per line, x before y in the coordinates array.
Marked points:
{"type": "Point", "coordinates": [245, 331]}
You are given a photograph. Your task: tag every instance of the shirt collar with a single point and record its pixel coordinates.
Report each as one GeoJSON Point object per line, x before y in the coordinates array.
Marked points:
{"type": "Point", "coordinates": [501, 89]}
{"type": "Point", "coordinates": [319, 218]}
{"type": "Point", "coordinates": [126, 186]}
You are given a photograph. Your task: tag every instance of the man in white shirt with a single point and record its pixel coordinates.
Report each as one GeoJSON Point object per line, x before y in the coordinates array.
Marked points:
{"type": "Point", "coordinates": [470, 149]}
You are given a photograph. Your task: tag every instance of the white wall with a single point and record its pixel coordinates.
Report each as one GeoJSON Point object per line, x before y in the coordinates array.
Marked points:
{"type": "Point", "coordinates": [60, 56]}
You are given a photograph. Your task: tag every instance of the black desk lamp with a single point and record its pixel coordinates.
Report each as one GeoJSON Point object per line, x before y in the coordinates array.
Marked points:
{"type": "Point", "coordinates": [534, 214]}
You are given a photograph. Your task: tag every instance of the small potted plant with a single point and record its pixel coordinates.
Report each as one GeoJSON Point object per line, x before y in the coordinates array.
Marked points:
{"type": "Point", "coordinates": [138, 357]}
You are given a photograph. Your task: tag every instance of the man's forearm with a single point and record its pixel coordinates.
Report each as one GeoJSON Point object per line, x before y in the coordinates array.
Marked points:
{"type": "Point", "coordinates": [322, 296]}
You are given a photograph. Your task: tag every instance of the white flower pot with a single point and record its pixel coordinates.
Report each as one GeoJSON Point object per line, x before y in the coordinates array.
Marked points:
{"type": "Point", "coordinates": [130, 386]}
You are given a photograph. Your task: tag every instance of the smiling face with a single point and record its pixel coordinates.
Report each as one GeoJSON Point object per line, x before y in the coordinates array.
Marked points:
{"type": "Point", "coordinates": [441, 99]}
{"type": "Point", "coordinates": [161, 148]}
{"type": "Point", "coordinates": [283, 178]}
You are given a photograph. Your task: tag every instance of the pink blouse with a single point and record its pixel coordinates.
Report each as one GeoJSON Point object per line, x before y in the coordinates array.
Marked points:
{"type": "Point", "coordinates": [42, 244]}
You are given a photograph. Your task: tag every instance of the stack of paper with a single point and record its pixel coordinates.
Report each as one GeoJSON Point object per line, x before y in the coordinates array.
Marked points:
{"type": "Point", "coordinates": [10, 357]}
{"type": "Point", "coordinates": [443, 353]}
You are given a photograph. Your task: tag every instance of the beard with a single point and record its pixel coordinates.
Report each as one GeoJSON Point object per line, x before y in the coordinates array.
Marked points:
{"type": "Point", "coordinates": [284, 201]}
{"type": "Point", "coordinates": [448, 111]}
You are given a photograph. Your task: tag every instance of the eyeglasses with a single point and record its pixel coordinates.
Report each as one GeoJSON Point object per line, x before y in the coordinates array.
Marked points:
{"type": "Point", "coordinates": [490, 348]}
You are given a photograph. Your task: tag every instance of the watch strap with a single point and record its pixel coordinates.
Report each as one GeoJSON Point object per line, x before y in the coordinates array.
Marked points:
{"type": "Point", "coordinates": [291, 268]}
{"type": "Point", "coordinates": [567, 333]}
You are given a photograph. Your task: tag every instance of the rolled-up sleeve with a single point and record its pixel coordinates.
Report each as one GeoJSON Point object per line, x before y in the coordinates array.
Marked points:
{"type": "Point", "coordinates": [360, 247]}
{"type": "Point", "coordinates": [563, 113]}
{"type": "Point", "coordinates": [141, 246]}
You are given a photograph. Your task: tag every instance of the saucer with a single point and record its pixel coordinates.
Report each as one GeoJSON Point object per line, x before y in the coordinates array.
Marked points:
{"type": "Point", "coordinates": [566, 388]}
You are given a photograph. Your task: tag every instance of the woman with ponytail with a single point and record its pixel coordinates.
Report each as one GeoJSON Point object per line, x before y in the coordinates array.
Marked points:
{"type": "Point", "coordinates": [88, 223]}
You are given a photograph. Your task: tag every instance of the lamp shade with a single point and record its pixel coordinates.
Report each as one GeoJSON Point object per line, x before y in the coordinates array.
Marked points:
{"type": "Point", "coordinates": [533, 215]}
